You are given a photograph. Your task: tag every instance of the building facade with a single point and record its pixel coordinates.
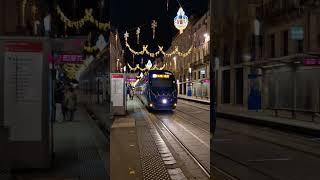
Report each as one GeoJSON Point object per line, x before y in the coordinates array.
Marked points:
{"type": "Point", "coordinates": [22, 21]}
{"type": "Point", "coordinates": [192, 71]}
{"type": "Point", "coordinates": [265, 54]}
{"type": "Point", "coordinates": [116, 54]}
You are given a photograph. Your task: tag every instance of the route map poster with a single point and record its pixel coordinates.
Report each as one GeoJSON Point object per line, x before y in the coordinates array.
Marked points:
{"type": "Point", "coordinates": [23, 90]}
{"type": "Point", "coordinates": [117, 89]}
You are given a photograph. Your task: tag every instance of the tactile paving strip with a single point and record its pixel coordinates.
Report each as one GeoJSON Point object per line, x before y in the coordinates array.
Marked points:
{"type": "Point", "coordinates": [5, 174]}
{"type": "Point", "coordinates": [153, 167]}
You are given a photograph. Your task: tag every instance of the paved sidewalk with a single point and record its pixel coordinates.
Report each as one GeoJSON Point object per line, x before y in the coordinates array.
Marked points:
{"type": "Point", "coordinates": [134, 152]}
{"type": "Point", "coordinates": [303, 123]}
{"type": "Point", "coordinates": [79, 148]}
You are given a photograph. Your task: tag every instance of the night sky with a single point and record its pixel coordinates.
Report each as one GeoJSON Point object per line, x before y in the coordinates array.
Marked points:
{"type": "Point", "coordinates": [129, 14]}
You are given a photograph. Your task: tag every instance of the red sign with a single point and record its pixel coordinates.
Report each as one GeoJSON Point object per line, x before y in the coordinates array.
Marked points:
{"type": "Point", "coordinates": [131, 79]}
{"type": "Point", "coordinates": [311, 61]}
{"type": "Point", "coordinates": [67, 58]}
{"type": "Point", "coordinates": [117, 76]}
{"type": "Point", "coordinates": [15, 46]}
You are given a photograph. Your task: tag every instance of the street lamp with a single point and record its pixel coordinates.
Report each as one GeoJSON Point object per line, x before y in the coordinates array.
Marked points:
{"type": "Point", "coordinates": [125, 69]}
{"type": "Point", "coordinates": [206, 37]}
{"type": "Point", "coordinates": [118, 64]}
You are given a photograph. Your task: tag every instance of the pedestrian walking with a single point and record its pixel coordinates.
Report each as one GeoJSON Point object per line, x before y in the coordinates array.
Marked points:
{"type": "Point", "coordinates": [71, 103]}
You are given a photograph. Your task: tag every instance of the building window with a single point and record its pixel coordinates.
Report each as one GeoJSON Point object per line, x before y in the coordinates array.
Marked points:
{"type": "Point", "coordinates": [237, 56]}
{"type": "Point", "coordinates": [272, 46]}
{"type": "Point", "coordinates": [226, 56]}
{"type": "Point", "coordinates": [226, 87]}
{"type": "Point", "coordinates": [239, 86]}
{"type": "Point", "coordinates": [199, 74]}
{"type": "Point", "coordinates": [253, 47]}
{"type": "Point", "coordinates": [300, 46]}
{"type": "Point", "coordinates": [285, 43]}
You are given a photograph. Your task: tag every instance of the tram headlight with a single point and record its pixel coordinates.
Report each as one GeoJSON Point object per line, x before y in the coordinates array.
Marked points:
{"type": "Point", "coordinates": [151, 105]}
{"type": "Point", "coordinates": [164, 101]}
{"type": "Point", "coordinates": [175, 104]}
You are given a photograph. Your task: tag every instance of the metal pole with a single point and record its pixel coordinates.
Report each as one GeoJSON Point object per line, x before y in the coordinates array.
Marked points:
{"type": "Point", "coordinates": [212, 73]}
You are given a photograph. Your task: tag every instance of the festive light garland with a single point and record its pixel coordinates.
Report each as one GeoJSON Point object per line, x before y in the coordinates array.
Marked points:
{"type": "Point", "coordinates": [90, 49]}
{"type": "Point", "coordinates": [154, 54]}
{"type": "Point", "coordinates": [71, 69]}
{"type": "Point", "coordinates": [176, 52]}
{"type": "Point", "coordinates": [144, 69]}
{"type": "Point", "coordinates": [80, 23]}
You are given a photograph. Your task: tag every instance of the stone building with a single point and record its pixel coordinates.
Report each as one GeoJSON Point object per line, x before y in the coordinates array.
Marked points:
{"type": "Point", "coordinates": [265, 52]}
{"type": "Point", "coordinates": [116, 54]}
{"type": "Point", "coordinates": [192, 71]}
{"type": "Point", "coordinates": [19, 16]}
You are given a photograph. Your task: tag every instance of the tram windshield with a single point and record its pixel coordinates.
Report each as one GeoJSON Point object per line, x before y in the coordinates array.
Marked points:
{"type": "Point", "coordinates": [162, 83]}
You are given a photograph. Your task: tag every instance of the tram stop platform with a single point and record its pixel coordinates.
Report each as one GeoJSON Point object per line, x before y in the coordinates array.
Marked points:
{"type": "Point", "coordinates": [79, 151]}
{"type": "Point", "coordinates": [139, 150]}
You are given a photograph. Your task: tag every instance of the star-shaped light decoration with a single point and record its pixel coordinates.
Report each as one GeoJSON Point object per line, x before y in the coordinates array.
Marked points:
{"type": "Point", "coordinates": [154, 26]}
{"type": "Point", "coordinates": [126, 35]}
{"type": "Point", "coordinates": [138, 34]}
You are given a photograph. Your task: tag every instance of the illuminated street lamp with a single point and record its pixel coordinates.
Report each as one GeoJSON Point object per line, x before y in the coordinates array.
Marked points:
{"type": "Point", "coordinates": [118, 64]}
{"type": "Point", "coordinates": [206, 37]}
{"type": "Point", "coordinates": [125, 68]}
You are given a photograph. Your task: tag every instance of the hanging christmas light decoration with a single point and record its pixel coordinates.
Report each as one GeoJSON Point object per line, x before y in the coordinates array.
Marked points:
{"type": "Point", "coordinates": [88, 17]}
{"type": "Point", "coordinates": [126, 35]}
{"type": "Point", "coordinates": [157, 53]}
{"type": "Point", "coordinates": [146, 68]}
{"type": "Point", "coordinates": [154, 26]}
{"type": "Point", "coordinates": [138, 34]}
{"type": "Point", "coordinates": [116, 36]}
{"type": "Point", "coordinates": [149, 65]}
{"type": "Point", "coordinates": [181, 20]}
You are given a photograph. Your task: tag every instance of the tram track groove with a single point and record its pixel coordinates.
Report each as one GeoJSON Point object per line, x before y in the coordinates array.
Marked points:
{"type": "Point", "coordinates": [278, 132]}
{"type": "Point", "coordinates": [190, 153]}
{"type": "Point", "coordinates": [291, 146]}
{"type": "Point", "coordinates": [219, 153]}
{"type": "Point", "coordinates": [292, 137]}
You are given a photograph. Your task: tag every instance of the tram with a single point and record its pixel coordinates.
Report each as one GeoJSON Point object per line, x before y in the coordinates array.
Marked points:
{"type": "Point", "coordinates": [158, 90]}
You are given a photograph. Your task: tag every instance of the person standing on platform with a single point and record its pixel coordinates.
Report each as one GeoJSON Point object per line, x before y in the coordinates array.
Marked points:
{"type": "Point", "coordinates": [59, 97]}
{"type": "Point", "coordinates": [128, 90]}
{"type": "Point", "coordinates": [131, 92]}
{"type": "Point", "coordinates": [63, 104]}
{"type": "Point", "coordinates": [71, 103]}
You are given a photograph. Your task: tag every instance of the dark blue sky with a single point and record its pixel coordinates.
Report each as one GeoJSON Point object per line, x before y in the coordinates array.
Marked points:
{"type": "Point", "coordinates": [128, 14]}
